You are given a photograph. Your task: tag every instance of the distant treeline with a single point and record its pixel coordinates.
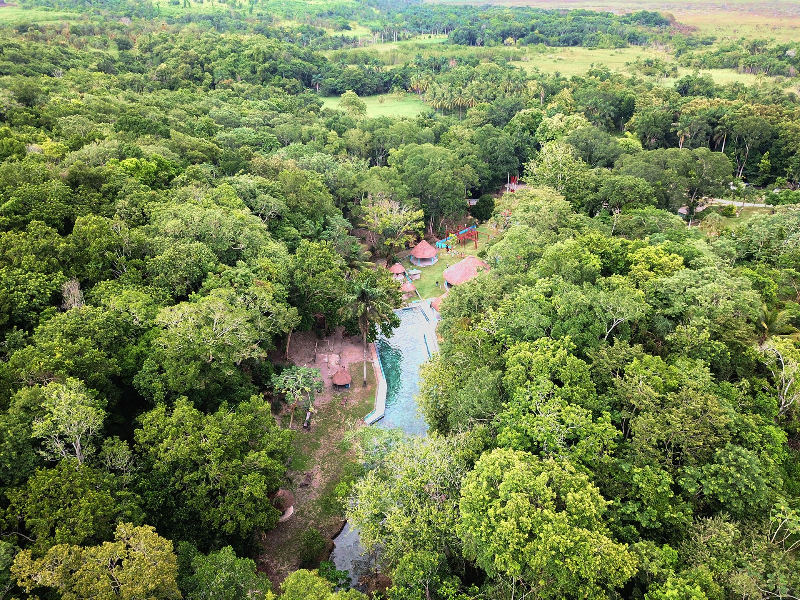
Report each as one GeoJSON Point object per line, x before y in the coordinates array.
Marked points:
{"type": "Point", "coordinates": [749, 56]}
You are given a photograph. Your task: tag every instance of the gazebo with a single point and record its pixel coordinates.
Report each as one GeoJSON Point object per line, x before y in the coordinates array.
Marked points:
{"type": "Point", "coordinates": [408, 289]}
{"type": "Point", "coordinates": [464, 270]}
{"type": "Point", "coordinates": [424, 255]}
{"type": "Point", "coordinates": [398, 272]}
{"type": "Point", "coordinates": [342, 379]}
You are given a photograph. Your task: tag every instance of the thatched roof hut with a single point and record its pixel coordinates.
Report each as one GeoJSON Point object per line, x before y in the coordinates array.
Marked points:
{"type": "Point", "coordinates": [409, 290]}
{"type": "Point", "coordinates": [464, 270]}
{"type": "Point", "coordinates": [283, 500]}
{"type": "Point", "coordinates": [342, 378]}
{"type": "Point", "coordinates": [437, 302]}
{"type": "Point", "coordinates": [398, 272]}
{"type": "Point", "coordinates": [424, 254]}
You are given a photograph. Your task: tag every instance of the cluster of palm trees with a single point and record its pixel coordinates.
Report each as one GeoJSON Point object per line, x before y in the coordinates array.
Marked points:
{"type": "Point", "coordinates": [460, 95]}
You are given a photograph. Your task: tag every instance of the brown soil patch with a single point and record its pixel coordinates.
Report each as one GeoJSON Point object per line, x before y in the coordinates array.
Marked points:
{"type": "Point", "coordinates": [320, 454]}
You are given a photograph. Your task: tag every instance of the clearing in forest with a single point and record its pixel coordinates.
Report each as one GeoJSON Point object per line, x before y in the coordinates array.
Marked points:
{"type": "Point", "coordinates": [321, 457]}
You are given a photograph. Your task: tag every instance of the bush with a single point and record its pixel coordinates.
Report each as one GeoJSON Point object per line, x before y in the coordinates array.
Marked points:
{"type": "Point", "coordinates": [783, 197]}
{"type": "Point", "coordinates": [341, 579]}
{"type": "Point", "coordinates": [484, 208]}
{"type": "Point", "coordinates": [312, 544]}
{"type": "Point", "coordinates": [728, 211]}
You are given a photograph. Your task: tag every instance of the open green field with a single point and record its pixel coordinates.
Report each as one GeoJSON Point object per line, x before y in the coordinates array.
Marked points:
{"type": "Point", "coordinates": [14, 14]}
{"type": "Point", "coordinates": [746, 213]}
{"type": "Point", "coordinates": [577, 61]}
{"type": "Point", "coordinates": [417, 43]}
{"type": "Point", "coordinates": [426, 284]}
{"type": "Point", "coordinates": [396, 53]}
{"type": "Point", "coordinates": [747, 24]}
{"type": "Point", "coordinates": [386, 105]}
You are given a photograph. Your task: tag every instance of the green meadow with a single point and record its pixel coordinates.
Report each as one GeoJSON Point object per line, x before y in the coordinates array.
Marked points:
{"type": "Point", "coordinates": [577, 61]}
{"type": "Point", "coordinates": [14, 14]}
{"type": "Point", "coordinates": [386, 105]}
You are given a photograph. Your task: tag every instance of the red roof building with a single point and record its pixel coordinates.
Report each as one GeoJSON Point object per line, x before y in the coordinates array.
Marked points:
{"type": "Point", "coordinates": [424, 255]}
{"type": "Point", "coordinates": [408, 289]}
{"type": "Point", "coordinates": [398, 272]}
{"type": "Point", "coordinates": [464, 270]}
{"type": "Point", "coordinates": [437, 302]}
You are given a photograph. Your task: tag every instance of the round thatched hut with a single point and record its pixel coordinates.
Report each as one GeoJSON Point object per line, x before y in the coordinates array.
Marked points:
{"type": "Point", "coordinates": [408, 289]}
{"type": "Point", "coordinates": [424, 255]}
{"type": "Point", "coordinates": [398, 272]}
{"type": "Point", "coordinates": [342, 379]}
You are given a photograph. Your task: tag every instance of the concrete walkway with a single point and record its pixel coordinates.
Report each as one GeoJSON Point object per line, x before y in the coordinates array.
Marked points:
{"type": "Point", "coordinates": [380, 390]}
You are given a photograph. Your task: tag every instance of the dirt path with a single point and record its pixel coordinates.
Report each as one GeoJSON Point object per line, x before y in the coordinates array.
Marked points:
{"type": "Point", "coordinates": [320, 456]}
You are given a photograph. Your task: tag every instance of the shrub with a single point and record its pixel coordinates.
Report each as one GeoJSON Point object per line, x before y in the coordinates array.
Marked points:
{"type": "Point", "coordinates": [483, 208]}
{"type": "Point", "coordinates": [312, 544]}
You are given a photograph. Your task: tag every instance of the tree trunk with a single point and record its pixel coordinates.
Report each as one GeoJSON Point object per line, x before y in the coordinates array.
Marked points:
{"type": "Point", "coordinates": [288, 339]}
{"type": "Point", "coordinates": [744, 161]}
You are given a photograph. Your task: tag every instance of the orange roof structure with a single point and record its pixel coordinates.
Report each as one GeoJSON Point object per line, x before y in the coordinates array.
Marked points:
{"type": "Point", "coordinates": [464, 270]}
{"type": "Point", "coordinates": [397, 269]}
{"type": "Point", "coordinates": [342, 377]}
{"type": "Point", "coordinates": [424, 250]}
{"type": "Point", "coordinates": [437, 302]}
{"type": "Point", "coordinates": [408, 287]}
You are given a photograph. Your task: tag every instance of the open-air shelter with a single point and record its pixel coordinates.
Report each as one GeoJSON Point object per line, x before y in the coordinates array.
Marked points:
{"type": "Point", "coordinates": [409, 290]}
{"type": "Point", "coordinates": [424, 255]}
{"type": "Point", "coordinates": [342, 378]}
{"type": "Point", "coordinates": [398, 272]}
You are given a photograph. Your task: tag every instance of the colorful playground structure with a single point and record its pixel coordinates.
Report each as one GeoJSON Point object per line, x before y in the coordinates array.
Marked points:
{"type": "Point", "coordinates": [460, 237]}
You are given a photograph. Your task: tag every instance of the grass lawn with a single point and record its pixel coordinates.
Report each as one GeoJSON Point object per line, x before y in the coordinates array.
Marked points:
{"type": "Point", "coordinates": [426, 284]}
{"type": "Point", "coordinates": [746, 213]}
{"type": "Point", "coordinates": [15, 14]}
{"type": "Point", "coordinates": [325, 425]}
{"type": "Point", "coordinates": [386, 105]}
{"type": "Point", "coordinates": [577, 61]}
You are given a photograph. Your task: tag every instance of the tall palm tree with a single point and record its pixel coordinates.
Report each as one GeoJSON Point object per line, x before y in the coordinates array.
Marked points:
{"type": "Point", "coordinates": [773, 322]}
{"type": "Point", "coordinates": [371, 301]}
{"type": "Point", "coordinates": [459, 99]}
{"type": "Point", "coordinates": [433, 97]}
{"type": "Point", "coordinates": [471, 95]}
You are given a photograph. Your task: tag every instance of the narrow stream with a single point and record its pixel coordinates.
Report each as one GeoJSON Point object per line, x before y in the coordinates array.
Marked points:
{"type": "Point", "coordinates": [401, 356]}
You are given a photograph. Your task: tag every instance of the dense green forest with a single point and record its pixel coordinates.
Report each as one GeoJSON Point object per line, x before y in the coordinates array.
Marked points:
{"type": "Point", "coordinates": [614, 410]}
